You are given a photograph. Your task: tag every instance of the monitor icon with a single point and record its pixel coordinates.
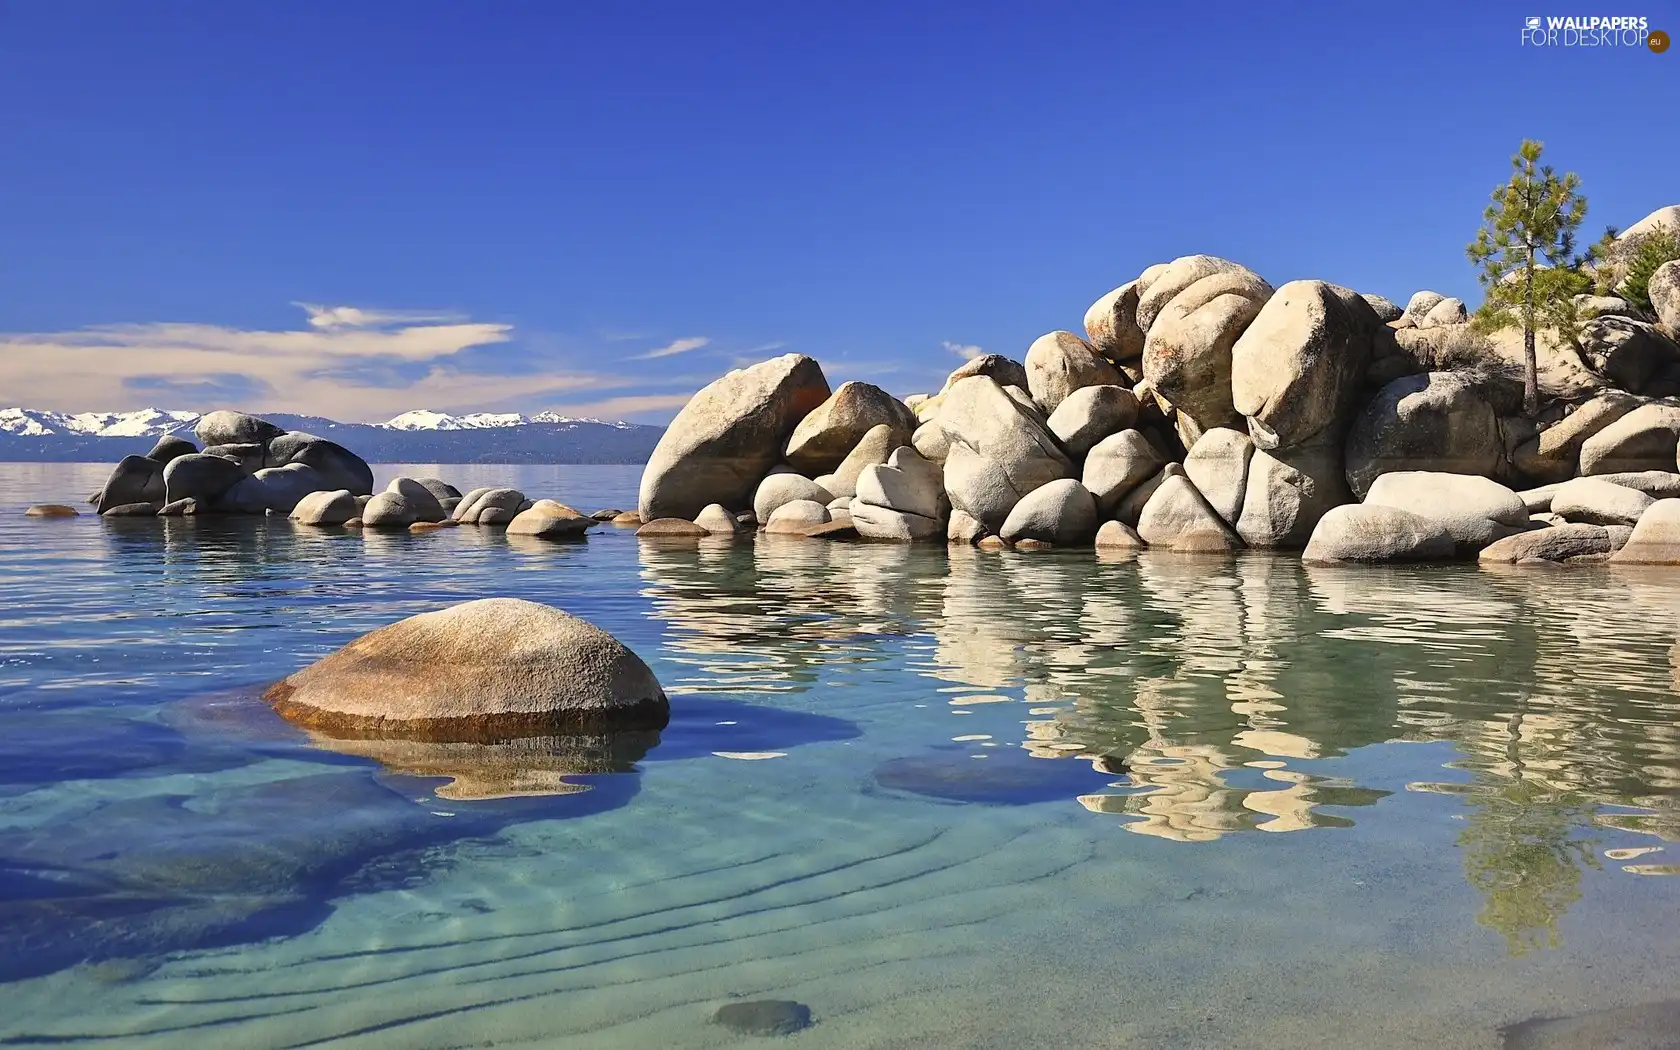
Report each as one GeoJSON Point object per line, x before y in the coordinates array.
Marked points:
{"type": "Point", "coordinates": [1534, 21]}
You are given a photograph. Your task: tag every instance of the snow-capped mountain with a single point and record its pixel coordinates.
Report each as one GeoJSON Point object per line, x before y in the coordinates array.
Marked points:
{"type": "Point", "coordinates": [155, 422]}
{"type": "Point", "coordinates": [421, 436]}
{"type": "Point", "coordinates": [426, 419]}
{"type": "Point", "coordinates": [145, 422]}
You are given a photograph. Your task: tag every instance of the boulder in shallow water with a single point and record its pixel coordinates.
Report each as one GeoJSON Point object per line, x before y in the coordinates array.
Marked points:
{"type": "Point", "coordinates": [1438, 421]}
{"type": "Point", "coordinates": [1176, 515]}
{"type": "Point", "coordinates": [341, 468]}
{"type": "Point", "coordinates": [1474, 510]}
{"type": "Point", "coordinates": [52, 510]}
{"type": "Point", "coordinates": [1117, 535]}
{"type": "Point", "coordinates": [1062, 513]}
{"type": "Point", "coordinates": [764, 1017]}
{"type": "Point", "coordinates": [717, 521]}
{"type": "Point", "coordinates": [796, 516]}
{"type": "Point", "coordinates": [1554, 544]}
{"type": "Point", "coordinates": [550, 523]}
{"type": "Point", "coordinates": [235, 428]}
{"type": "Point", "coordinates": [1360, 532]}
{"type": "Point", "coordinates": [326, 508]}
{"type": "Point", "coordinates": [389, 510]}
{"type": "Point", "coordinates": [169, 446]}
{"type": "Point", "coordinates": [131, 510]}
{"type": "Point", "coordinates": [675, 528]}
{"type": "Point", "coordinates": [1656, 537]}
{"type": "Point", "coordinates": [496, 667]}
{"type": "Point", "coordinates": [420, 497]}
{"type": "Point", "coordinates": [200, 477]}
{"type": "Point", "coordinates": [728, 436]}
{"type": "Point", "coordinates": [489, 506]}
{"type": "Point", "coordinates": [777, 490]}
{"type": "Point", "coordinates": [135, 479]}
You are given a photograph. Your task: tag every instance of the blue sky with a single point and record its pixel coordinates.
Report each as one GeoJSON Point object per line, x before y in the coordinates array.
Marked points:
{"type": "Point", "coordinates": [600, 207]}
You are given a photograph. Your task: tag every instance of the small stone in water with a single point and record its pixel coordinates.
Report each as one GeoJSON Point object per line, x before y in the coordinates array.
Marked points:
{"type": "Point", "coordinates": [764, 1017]}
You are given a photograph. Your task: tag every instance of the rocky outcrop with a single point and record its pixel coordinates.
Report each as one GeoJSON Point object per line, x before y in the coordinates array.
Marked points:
{"type": "Point", "coordinates": [1091, 414]}
{"type": "Point", "coordinates": [1218, 466]}
{"type": "Point", "coordinates": [778, 490]}
{"type": "Point", "coordinates": [874, 447]}
{"type": "Point", "coordinates": [235, 428]}
{"type": "Point", "coordinates": [1187, 354]}
{"type": "Point", "coordinates": [728, 436]}
{"type": "Point", "coordinates": [1177, 516]}
{"type": "Point", "coordinates": [200, 477]}
{"type": "Point", "coordinates": [1554, 454]}
{"type": "Point", "coordinates": [479, 671]}
{"type": "Point", "coordinates": [1559, 543]}
{"type": "Point", "coordinates": [1116, 466]}
{"type": "Point", "coordinates": [488, 506]}
{"type": "Point", "coordinates": [1000, 451]}
{"type": "Point", "coordinates": [1664, 291]}
{"type": "Point", "coordinates": [136, 479]}
{"type": "Point", "coordinates": [1112, 327]}
{"type": "Point", "coordinates": [1655, 539]}
{"type": "Point", "coordinates": [1288, 491]}
{"type": "Point", "coordinates": [1643, 439]}
{"type": "Point", "coordinates": [1597, 502]}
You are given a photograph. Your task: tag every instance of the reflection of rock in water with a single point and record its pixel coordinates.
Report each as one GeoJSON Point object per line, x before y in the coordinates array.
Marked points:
{"type": "Point", "coordinates": [1653, 1026]}
{"type": "Point", "coordinates": [1005, 776]}
{"type": "Point", "coordinates": [507, 768]}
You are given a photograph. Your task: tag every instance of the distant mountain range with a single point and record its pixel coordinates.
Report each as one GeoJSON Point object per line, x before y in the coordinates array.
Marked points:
{"type": "Point", "coordinates": [420, 436]}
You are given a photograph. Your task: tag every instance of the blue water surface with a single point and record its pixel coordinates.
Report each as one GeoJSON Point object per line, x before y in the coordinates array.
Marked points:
{"type": "Point", "coordinates": [942, 798]}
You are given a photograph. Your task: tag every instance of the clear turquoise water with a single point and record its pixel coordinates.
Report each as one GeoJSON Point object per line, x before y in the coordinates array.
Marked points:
{"type": "Point", "coordinates": [942, 798]}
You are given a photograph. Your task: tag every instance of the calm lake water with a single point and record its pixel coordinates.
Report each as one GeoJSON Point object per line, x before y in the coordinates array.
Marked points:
{"type": "Point", "coordinates": [942, 798]}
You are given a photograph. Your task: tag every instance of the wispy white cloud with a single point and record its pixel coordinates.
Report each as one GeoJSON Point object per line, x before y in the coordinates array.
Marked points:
{"type": "Point", "coordinates": [966, 351]}
{"type": "Point", "coordinates": [357, 369]}
{"type": "Point", "coordinates": [359, 317]}
{"type": "Point", "coordinates": [675, 347]}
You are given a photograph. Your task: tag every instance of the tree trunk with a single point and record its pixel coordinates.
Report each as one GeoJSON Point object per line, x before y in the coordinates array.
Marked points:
{"type": "Point", "coordinates": [1531, 363]}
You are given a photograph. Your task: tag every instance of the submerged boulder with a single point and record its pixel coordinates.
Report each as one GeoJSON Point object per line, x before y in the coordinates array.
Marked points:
{"type": "Point", "coordinates": [419, 496]}
{"type": "Point", "coordinates": [496, 667]}
{"type": "Point", "coordinates": [550, 522]}
{"type": "Point", "coordinates": [728, 436]}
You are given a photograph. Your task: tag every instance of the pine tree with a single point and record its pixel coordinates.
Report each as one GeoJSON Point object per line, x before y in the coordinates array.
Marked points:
{"type": "Point", "coordinates": [1526, 251]}
{"type": "Point", "coordinates": [1651, 251]}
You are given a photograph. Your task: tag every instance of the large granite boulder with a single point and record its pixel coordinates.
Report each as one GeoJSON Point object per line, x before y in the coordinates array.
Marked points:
{"type": "Point", "coordinates": [1297, 366]}
{"type": "Point", "coordinates": [235, 428]}
{"type": "Point", "coordinates": [200, 477]}
{"type": "Point", "coordinates": [1288, 490]}
{"type": "Point", "coordinates": [1217, 465]}
{"type": "Point", "coordinates": [783, 488]}
{"type": "Point", "coordinates": [883, 523]}
{"type": "Point", "coordinates": [1117, 465]}
{"type": "Point", "coordinates": [1643, 439]}
{"type": "Point", "coordinates": [170, 446]}
{"type": "Point", "coordinates": [276, 489]}
{"type": "Point", "coordinates": [1558, 543]}
{"type": "Point", "coordinates": [728, 437]}
{"type": "Point", "coordinates": [1664, 291]}
{"type": "Point", "coordinates": [1627, 352]}
{"type": "Point", "coordinates": [390, 510]}
{"type": "Point", "coordinates": [1554, 454]}
{"type": "Point", "coordinates": [823, 438]}
{"type": "Point", "coordinates": [483, 670]}
{"type": "Point", "coordinates": [550, 521]}
{"type": "Point", "coordinates": [340, 467]}
{"type": "Point", "coordinates": [1359, 532]}
{"type": "Point", "coordinates": [795, 516]}
{"type": "Point", "coordinates": [1474, 510]}
{"type": "Point", "coordinates": [874, 447]}
{"type": "Point", "coordinates": [1448, 311]}
{"type": "Point", "coordinates": [1595, 501]}
{"type": "Point", "coordinates": [1058, 364]}
{"type": "Point", "coordinates": [1418, 307]}
{"type": "Point", "coordinates": [1438, 421]}
{"type": "Point", "coordinates": [1111, 325]}
{"type": "Point", "coordinates": [1382, 306]}
{"type": "Point", "coordinates": [420, 497]}
{"type": "Point", "coordinates": [326, 508]}
{"type": "Point", "coordinates": [1091, 414]}
{"type": "Point", "coordinates": [1000, 450]}
{"type": "Point", "coordinates": [251, 456]}
{"type": "Point", "coordinates": [1006, 371]}
{"type": "Point", "coordinates": [135, 479]}
{"type": "Point", "coordinates": [1655, 539]}
{"type": "Point", "coordinates": [1187, 353]}
{"type": "Point", "coordinates": [489, 506]}
{"type": "Point", "coordinates": [1062, 513]}
{"type": "Point", "coordinates": [1158, 288]}
{"type": "Point", "coordinates": [1180, 518]}
{"type": "Point", "coordinates": [907, 483]}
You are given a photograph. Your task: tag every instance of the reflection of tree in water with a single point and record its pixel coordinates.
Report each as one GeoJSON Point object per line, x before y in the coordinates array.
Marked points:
{"type": "Point", "coordinates": [1523, 854]}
